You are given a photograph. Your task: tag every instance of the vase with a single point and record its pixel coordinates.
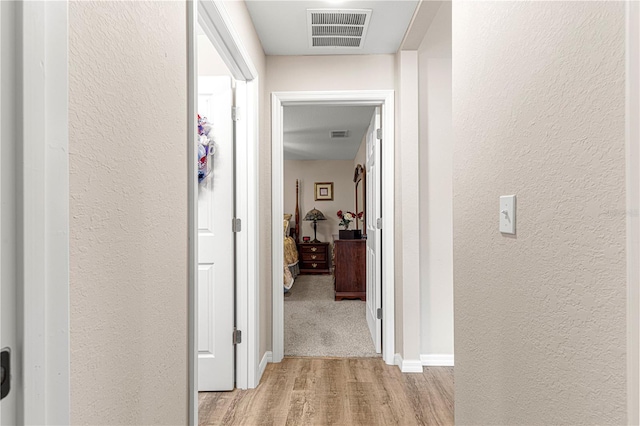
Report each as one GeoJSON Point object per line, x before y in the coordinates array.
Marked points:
{"type": "Point", "coordinates": [350, 234]}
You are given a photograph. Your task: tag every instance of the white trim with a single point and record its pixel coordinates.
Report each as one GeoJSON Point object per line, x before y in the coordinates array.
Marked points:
{"type": "Point", "coordinates": [408, 365]}
{"type": "Point", "coordinates": [57, 207]}
{"type": "Point", "coordinates": [437, 360]}
{"type": "Point", "coordinates": [192, 215]}
{"type": "Point", "coordinates": [277, 210]}
{"type": "Point", "coordinates": [358, 97]}
{"type": "Point", "coordinates": [267, 358]}
{"type": "Point", "coordinates": [242, 238]}
{"type": "Point", "coordinates": [633, 210]}
{"type": "Point", "coordinates": [45, 215]}
{"type": "Point", "coordinates": [397, 360]}
{"type": "Point", "coordinates": [252, 333]}
{"type": "Point", "coordinates": [247, 241]}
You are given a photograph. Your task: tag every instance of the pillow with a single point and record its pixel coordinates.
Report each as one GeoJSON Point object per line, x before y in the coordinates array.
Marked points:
{"type": "Point", "coordinates": [288, 216]}
{"type": "Point", "coordinates": [286, 227]}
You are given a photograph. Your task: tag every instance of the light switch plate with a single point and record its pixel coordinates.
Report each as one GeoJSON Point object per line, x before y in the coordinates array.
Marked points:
{"type": "Point", "coordinates": [508, 214]}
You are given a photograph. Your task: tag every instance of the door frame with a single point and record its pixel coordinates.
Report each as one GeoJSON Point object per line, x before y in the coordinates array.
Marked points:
{"type": "Point", "coordinates": [633, 209]}
{"type": "Point", "coordinates": [217, 25]}
{"type": "Point", "coordinates": [384, 99]}
{"type": "Point", "coordinates": [43, 257]}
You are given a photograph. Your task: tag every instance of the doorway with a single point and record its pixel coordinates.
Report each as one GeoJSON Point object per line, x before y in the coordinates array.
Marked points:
{"type": "Point", "coordinates": [241, 361]}
{"type": "Point", "coordinates": [216, 210]}
{"type": "Point", "coordinates": [326, 308]}
{"type": "Point", "coordinates": [383, 100]}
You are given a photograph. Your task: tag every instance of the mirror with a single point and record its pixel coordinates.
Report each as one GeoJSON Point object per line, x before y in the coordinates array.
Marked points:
{"type": "Point", "coordinates": [361, 197]}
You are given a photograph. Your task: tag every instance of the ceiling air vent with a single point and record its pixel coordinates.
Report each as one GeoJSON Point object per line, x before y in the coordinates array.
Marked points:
{"type": "Point", "coordinates": [339, 134]}
{"type": "Point", "coordinates": [338, 28]}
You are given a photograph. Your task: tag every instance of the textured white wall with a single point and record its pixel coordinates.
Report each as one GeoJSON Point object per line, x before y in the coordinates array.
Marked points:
{"type": "Point", "coordinates": [539, 111]}
{"type": "Point", "coordinates": [128, 207]}
{"type": "Point", "coordinates": [209, 60]}
{"type": "Point", "coordinates": [436, 187]}
{"type": "Point", "coordinates": [344, 72]}
{"type": "Point", "coordinates": [340, 172]}
{"type": "Point", "coordinates": [407, 273]}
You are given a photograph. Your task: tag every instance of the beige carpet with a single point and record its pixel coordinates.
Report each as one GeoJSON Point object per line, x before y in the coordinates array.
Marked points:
{"type": "Point", "coordinates": [316, 325]}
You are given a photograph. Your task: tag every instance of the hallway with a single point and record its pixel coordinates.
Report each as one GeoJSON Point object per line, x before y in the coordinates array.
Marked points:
{"type": "Point", "coordinates": [335, 391]}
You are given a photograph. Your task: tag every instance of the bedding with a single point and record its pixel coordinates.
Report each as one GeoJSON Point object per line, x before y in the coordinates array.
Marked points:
{"type": "Point", "coordinates": [291, 258]}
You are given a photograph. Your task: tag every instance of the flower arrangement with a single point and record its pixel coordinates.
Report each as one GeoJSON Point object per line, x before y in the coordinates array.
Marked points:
{"type": "Point", "coordinates": [206, 147]}
{"type": "Point", "coordinates": [347, 217]}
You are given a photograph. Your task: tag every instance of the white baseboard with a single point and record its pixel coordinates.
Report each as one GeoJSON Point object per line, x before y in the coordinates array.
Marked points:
{"type": "Point", "coordinates": [437, 360]}
{"type": "Point", "coordinates": [266, 358]}
{"type": "Point", "coordinates": [408, 365]}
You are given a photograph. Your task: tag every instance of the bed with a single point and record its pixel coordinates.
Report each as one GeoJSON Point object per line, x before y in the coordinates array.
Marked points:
{"type": "Point", "coordinates": [291, 259]}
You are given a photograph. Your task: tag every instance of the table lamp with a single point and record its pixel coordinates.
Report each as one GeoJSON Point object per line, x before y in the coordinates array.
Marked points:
{"type": "Point", "coordinates": [315, 215]}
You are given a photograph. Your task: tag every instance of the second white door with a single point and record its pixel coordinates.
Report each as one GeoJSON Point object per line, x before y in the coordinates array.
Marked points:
{"type": "Point", "coordinates": [373, 213]}
{"type": "Point", "coordinates": [216, 245]}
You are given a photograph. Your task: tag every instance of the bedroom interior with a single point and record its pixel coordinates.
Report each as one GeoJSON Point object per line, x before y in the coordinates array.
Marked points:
{"type": "Point", "coordinates": [324, 231]}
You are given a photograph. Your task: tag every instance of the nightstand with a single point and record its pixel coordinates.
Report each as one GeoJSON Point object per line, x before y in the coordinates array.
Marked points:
{"type": "Point", "coordinates": [314, 258]}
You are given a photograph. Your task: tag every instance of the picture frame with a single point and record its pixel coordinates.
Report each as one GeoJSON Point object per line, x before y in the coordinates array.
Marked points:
{"type": "Point", "coordinates": [323, 191]}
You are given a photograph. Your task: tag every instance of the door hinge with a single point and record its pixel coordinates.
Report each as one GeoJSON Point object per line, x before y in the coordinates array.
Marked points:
{"type": "Point", "coordinates": [379, 134]}
{"type": "Point", "coordinates": [379, 313]}
{"type": "Point", "coordinates": [235, 113]}
{"type": "Point", "coordinates": [237, 336]}
{"type": "Point", "coordinates": [236, 225]}
{"type": "Point", "coordinates": [379, 223]}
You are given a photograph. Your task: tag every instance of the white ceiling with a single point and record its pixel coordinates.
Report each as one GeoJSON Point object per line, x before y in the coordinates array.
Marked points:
{"type": "Point", "coordinates": [307, 131]}
{"type": "Point", "coordinates": [282, 25]}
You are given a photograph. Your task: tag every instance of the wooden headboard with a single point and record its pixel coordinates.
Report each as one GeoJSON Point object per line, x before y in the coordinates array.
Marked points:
{"type": "Point", "coordinates": [297, 215]}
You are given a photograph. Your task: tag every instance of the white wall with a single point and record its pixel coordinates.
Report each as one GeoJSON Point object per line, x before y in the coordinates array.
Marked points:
{"type": "Point", "coordinates": [343, 72]}
{"type": "Point", "coordinates": [340, 172]}
{"type": "Point", "coordinates": [210, 62]}
{"type": "Point", "coordinates": [539, 111]}
{"type": "Point", "coordinates": [128, 207]}
{"type": "Point", "coordinates": [407, 208]}
{"type": "Point", "coordinates": [436, 189]}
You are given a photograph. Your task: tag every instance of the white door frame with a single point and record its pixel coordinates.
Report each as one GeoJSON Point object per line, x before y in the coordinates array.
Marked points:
{"type": "Point", "coordinates": [633, 211]}
{"type": "Point", "coordinates": [217, 25]}
{"type": "Point", "coordinates": [43, 216]}
{"type": "Point", "coordinates": [385, 99]}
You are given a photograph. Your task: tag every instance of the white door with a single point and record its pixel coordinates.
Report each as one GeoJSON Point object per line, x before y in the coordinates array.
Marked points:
{"type": "Point", "coordinates": [8, 200]}
{"type": "Point", "coordinates": [216, 245]}
{"type": "Point", "coordinates": [373, 213]}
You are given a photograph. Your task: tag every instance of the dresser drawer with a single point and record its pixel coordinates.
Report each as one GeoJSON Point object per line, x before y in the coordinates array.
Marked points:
{"type": "Point", "coordinates": [314, 265]}
{"type": "Point", "coordinates": [314, 257]}
{"type": "Point", "coordinates": [311, 249]}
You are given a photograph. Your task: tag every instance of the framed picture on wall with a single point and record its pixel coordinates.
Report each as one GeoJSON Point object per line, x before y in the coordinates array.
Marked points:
{"type": "Point", "coordinates": [324, 191]}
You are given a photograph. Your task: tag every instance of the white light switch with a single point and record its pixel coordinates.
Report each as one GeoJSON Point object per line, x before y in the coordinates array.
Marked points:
{"type": "Point", "coordinates": [508, 214]}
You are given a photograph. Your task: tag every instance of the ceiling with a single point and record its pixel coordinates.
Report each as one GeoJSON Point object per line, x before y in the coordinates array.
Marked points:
{"type": "Point", "coordinates": [307, 131]}
{"type": "Point", "coordinates": [282, 25]}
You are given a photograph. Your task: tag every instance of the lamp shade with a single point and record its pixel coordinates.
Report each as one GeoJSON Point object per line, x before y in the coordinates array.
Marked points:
{"type": "Point", "coordinates": [314, 214]}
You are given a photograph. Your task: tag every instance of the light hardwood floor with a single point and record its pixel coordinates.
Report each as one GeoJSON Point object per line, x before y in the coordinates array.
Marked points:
{"type": "Point", "coordinates": [335, 391]}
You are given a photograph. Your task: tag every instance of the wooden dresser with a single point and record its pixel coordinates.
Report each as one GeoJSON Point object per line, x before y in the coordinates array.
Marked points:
{"type": "Point", "coordinates": [350, 269]}
{"type": "Point", "coordinates": [314, 258]}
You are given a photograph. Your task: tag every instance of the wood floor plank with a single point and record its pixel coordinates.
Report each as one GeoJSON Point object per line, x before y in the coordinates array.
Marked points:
{"type": "Point", "coordinates": [335, 391]}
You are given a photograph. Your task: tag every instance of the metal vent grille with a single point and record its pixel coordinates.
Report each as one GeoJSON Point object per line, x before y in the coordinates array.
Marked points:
{"type": "Point", "coordinates": [338, 28]}
{"type": "Point", "coordinates": [335, 42]}
{"type": "Point", "coordinates": [339, 134]}
{"type": "Point", "coordinates": [339, 17]}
